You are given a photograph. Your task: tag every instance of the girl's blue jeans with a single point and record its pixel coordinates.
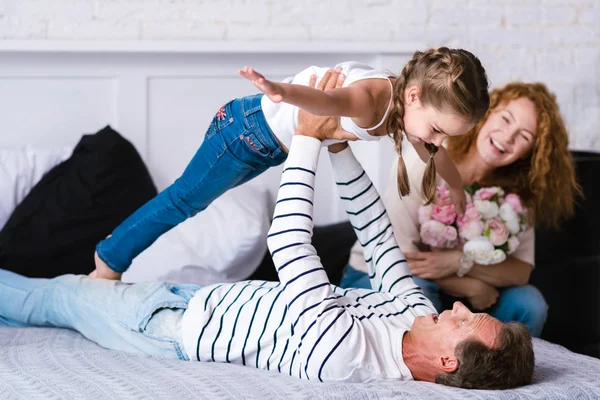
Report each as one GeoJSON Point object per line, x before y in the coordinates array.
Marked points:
{"type": "Point", "coordinates": [238, 146]}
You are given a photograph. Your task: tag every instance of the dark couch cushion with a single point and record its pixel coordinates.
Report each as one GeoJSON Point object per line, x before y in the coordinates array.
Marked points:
{"type": "Point", "coordinates": [332, 243]}
{"type": "Point", "coordinates": [75, 205]}
{"type": "Point", "coordinates": [568, 267]}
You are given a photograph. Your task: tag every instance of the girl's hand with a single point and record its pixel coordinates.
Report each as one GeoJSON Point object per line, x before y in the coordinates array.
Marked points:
{"type": "Point", "coordinates": [273, 90]}
{"type": "Point", "coordinates": [434, 264]}
{"type": "Point", "coordinates": [459, 199]}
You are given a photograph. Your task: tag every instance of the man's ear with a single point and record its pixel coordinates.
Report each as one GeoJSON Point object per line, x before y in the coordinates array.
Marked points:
{"type": "Point", "coordinates": [448, 364]}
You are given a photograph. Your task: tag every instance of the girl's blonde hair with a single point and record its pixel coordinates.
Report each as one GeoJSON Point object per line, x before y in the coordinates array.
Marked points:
{"type": "Point", "coordinates": [449, 80]}
{"type": "Point", "coordinates": [545, 179]}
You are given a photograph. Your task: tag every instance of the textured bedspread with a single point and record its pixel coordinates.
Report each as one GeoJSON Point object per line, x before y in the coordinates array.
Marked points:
{"type": "Point", "coordinates": [38, 363]}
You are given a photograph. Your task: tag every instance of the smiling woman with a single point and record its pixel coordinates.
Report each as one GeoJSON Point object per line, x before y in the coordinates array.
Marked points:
{"type": "Point", "coordinates": [521, 145]}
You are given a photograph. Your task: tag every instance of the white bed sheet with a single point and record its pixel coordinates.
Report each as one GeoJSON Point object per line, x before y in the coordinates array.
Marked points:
{"type": "Point", "coordinates": [43, 363]}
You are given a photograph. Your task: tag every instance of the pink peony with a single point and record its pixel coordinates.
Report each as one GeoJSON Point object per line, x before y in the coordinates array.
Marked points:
{"type": "Point", "coordinates": [436, 234]}
{"type": "Point", "coordinates": [515, 202]}
{"type": "Point", "coordinates": [424, 214]}
{"type": "Point", "coordinates": [487, 193]}
{"type": "Point", "coordinates": [469, 198]}
{"type": "Point", "coordinates": [498, 232]}
{"type": "Point", "coordinates": [450, 235]}
{"type": "Point", "coordinates": [471, 229]}
{"type": "Point", "coordinates": [442, 196]}
{"type": "Point", "coordinates": [471, 214]}
{"type": "Point", "coordinates": [443, 214]}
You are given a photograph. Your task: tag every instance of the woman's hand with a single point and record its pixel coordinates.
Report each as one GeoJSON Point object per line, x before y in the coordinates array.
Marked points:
{"type": "Point", "coordinates": [272, 90]}
{"type": "Point", "coordinates": [434, 264]}
{"type": "Point", "coordinates": [483, 296]}
{"type": "Point", "coordinates": [322, 128]}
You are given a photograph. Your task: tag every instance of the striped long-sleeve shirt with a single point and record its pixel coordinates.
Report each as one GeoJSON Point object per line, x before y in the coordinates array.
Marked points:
{"type": "Point", "coordinates": [304, 326]}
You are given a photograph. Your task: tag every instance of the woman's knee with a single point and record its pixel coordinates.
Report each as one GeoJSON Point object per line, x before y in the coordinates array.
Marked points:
{"type": "Point", "coordinates": [353, 278]}
{"type": "Point", "coordinates": [524, 304]}
{"type": "Point", "coordinates": [529, 300]}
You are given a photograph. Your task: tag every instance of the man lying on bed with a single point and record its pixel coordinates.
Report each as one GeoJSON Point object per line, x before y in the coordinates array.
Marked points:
{"type": "Point", "coordinates": [303, 326]}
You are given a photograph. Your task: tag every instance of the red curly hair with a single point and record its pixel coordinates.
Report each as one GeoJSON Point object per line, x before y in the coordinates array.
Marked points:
{"type": "Point", "coordinates": [545, 179]}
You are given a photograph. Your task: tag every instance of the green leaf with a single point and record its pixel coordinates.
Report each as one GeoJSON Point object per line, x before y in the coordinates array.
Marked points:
{"type": "Point", "coordinates": [487, 232]}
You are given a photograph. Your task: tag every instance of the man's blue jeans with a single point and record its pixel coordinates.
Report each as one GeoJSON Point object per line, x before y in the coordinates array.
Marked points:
{"type": "Point", "coordinates": [142, 318]}
{"type": "Point", "coordinates": [524, 304]}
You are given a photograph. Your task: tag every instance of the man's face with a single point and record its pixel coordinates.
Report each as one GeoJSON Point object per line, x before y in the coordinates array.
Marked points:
{"type": "Point", "coordinates": [439, 335]}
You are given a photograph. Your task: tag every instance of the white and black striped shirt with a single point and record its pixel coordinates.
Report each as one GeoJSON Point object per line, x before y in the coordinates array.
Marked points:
{"type": "Point", "coordinates": [304, 326]}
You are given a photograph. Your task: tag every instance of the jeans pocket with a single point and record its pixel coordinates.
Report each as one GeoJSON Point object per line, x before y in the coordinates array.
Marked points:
{"type": "Point", "coordinates": [222, 119]}
{"type": "Point", "coordinates": [255, 144]}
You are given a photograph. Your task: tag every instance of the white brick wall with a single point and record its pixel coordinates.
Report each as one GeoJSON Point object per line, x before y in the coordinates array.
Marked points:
{"type": "Point", "coordinates": [554, 41]}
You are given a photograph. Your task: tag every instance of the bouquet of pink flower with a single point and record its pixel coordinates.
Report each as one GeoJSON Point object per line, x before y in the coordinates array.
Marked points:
{"type": "Point", "coordinates": [487, 231]}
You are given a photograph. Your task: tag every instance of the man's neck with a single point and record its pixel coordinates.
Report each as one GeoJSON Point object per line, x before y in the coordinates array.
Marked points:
{"type": "Point", "coordinates": [416, 359]}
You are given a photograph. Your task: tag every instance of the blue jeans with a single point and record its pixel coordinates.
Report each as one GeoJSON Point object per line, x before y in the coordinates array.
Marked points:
{"type": "Point", "coordinates": [142, 318]}
{"type": "Point", "coordinates": [238, 146]}
{"type": "Point", "coordinates": [524, 304]}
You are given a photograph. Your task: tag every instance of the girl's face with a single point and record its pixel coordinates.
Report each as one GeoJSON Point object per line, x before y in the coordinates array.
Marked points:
{"type": "Point", "coordinates": [424, 123]}
{"type": "Point", "coordinates": [508, 134]}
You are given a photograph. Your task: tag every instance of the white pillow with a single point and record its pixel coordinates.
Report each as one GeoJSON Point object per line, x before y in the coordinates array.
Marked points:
{"type": "Point", "coordinates": [21, 168]}
{"type": "Point", "coordinates": [224, 243]}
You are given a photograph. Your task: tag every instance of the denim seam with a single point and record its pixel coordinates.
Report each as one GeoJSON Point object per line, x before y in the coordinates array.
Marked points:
{"type": "Point", "coordinates": [160, 306]}
{"type": "Point", "coordinates": [100, 252]}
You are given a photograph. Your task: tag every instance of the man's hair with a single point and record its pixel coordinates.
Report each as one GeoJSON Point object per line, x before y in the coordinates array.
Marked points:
{"type": "Point", "coordinates": [508, 365]}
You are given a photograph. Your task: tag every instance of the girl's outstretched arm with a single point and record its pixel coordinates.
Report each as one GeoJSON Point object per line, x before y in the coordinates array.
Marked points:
{"type": "Point", "coordinates": [356, 101]}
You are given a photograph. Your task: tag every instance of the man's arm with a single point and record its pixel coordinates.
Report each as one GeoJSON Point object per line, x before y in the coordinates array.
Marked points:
{"type": "Point", "coordinates": [289, 239]}
{"type": "Point", "coordinates": [321, 322]}
{"type": "Point", "coordinates": [387, 267]}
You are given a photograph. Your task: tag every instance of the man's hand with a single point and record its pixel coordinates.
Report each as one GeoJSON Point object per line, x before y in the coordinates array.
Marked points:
{"type": "Point", "coordinates": [322, 128]}
{"type": "Point", "coordinates": [484, 295]}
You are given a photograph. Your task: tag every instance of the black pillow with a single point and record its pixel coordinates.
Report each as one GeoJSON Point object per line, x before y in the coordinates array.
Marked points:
{"type": "Point", "coordinates": [55, 229]}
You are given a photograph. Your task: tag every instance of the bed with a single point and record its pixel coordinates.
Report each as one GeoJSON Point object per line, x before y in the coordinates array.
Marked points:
{"type": "Point", "coordinates": [44, 363]}
{"type": "Point", "coordinates": [157, 97]}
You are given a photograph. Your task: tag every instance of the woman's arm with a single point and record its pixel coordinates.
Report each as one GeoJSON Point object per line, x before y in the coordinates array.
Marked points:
{"type": "Point", "coordinates": [480, 294]}
{"type": "Point", "coordinates": [445, 263]}
{"type": "Point", "coordinates": [510, 272]}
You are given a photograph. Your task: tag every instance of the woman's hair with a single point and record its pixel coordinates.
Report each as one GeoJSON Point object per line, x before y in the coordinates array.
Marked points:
{"type": "Point", "coordinates": [449, 80]}
{"type": "Point", "coordinates": [545, 179]}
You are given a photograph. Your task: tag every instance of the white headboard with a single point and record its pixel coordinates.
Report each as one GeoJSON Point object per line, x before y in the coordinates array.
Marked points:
{"type": "Point", "coordinates": [161, 96]}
